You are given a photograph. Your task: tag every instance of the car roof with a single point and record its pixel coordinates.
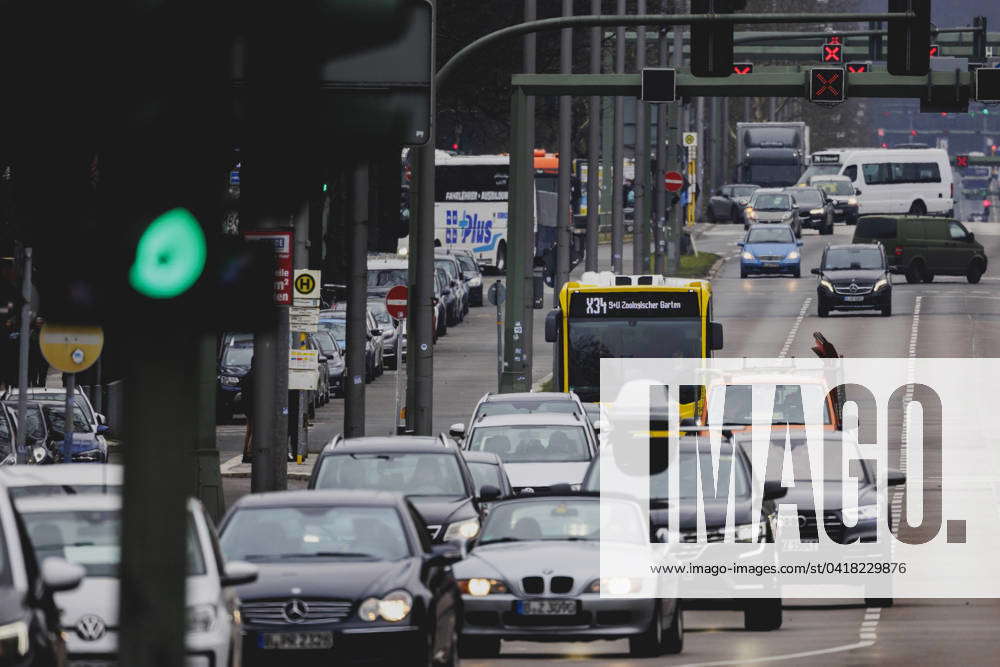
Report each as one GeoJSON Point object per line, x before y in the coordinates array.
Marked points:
{"type": "Point", "coordinates": [389, 444]}
{"type": "Point", "coordinates": [62, 473]}
{"type": "Point", "coordinates": [529, 396]}
{"type": "Point", "coordinates": [482, 457]}
{"type": "Point", "coordinates": [741, 185]}
{"type": "Point", "coordinates": [831, 177]}
{"type": "Point", "coordinates": [55, 503]}
{"type": "Point", "coordinates": [388, 263]}
{"type": "Point", "coordinates": [313, 497]}
{"type": "Point", "coordinates": [531, 419]}
{"type": "Point", "coordinates": [764, 225]}
{"type": "Point", "coordinates": [841, 246]}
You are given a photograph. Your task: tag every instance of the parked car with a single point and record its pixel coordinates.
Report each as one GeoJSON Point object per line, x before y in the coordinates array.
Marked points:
{"type": "Point", "coordinates": [728, 202]}
{"type": "Point", "coordinates": [44, 429]}
{"type": "Point", "coordinates": [431, 471]}
{"type": "Point", "coordinates": [816, 210]}
{"type": "Point", "coordinates": [234, 364]}
{"type": "Point", "coordinates": [61, 479]}
{"type": "Point", "coordinates": [31, 632]}
{"type": "Point", "coordinates": [923, 247]}
{"type": "Point", "coordinates": [770, 249]}
{"type": "Point", "coordinates": [472, 274]}
{"type": "Point", "coordinates": [538, 450]}
{"type": "Point", "coordinates": [772, 205]}
{"type": "Point", "coordinates": [853, 277]}
{"type": "Point", "coordinates": [450, 297]}
{"type": "Point", "coordinates": [456, 282]}
{"type": "Point", "coordinates": [535, 575]}
{"type": "Point", "coordinates": [87, 530]}
{"type": "Point", "coordinates": [334, 360]}
{"type": "Point", "coordinates": [345, 577]}
{"type": "Point", "coordinates": [59, 394]}
{"type": "Point", "coordinates": [390, 330]}
{"type": "Point", "coordinates": [841, 191]}
{"type": "Point", "coordinates": [336, 322]}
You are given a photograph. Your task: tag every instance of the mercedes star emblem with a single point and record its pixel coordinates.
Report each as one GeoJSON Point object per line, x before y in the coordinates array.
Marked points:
{"type": "Point", "coordinates": [295, 611]}
{"type": "Point", "coordinates": [90, 628]}
{"type": "Point", "coordinates": [854, 287]}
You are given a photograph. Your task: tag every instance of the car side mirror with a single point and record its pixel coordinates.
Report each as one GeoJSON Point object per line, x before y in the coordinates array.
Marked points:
{"type": "Point", "coordinates": [103, 430]}
{"type": "Point", "coordinates": [815, 271]}
{"type": "Point", "coordinates": [59, 575]}
{"type": "Point", "coordinates": [552, 326]}
{"type": "Point", "coordinates": [457, 431]}
{"type": "Point", "coordinates": [896, 269]}
{"type": "Point", "coordinates": [799, 243]}
{"type": "Point", "coordinates": [896, 478]}
{"type": "Point", "coordinates": [774, 490]}
{"type": "Point", "coordinates": [599, 425]}
{"type": "Point", "coordinates": [741, 243]}
{"type": "Point", "coordinates": [488, 492]}
{"type": "Point", "coordinates": [239, 572]}
{"type": "Point", "coordinates": [971, 237]}
{"type": "Point", "coordinates": [857, 191]}
{"type": "Point", "coordinates": [445, 554]}
{"type": "Point", "coordinates": [716, 335]}
{"type": "Point", "coordinates": [101, 419]}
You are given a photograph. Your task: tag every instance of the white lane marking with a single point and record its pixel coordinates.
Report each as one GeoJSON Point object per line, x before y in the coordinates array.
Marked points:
{"type": "Point", "coordinates": [795, 328]}
{"type": "Point", "coordinates": [786, 656]}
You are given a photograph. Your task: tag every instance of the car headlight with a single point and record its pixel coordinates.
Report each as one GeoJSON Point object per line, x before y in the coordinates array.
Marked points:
{"type": "Point", "coordinates": [479, 587]}
{"type": "Point", "coordinates": [476, 282]}
{"type": "Point", "coordinates": [615, 585]}
{"type": "Point", "coordinates": [880, 283]}
{"type": "Point", "coordinates": [462, 530]}
{"type": "Point", "coordinates": [666, 535]}
{"type": "Point", "coordinates": [747, 533]}
{"type": "Point", "coordinates": [393, 607]}
{"type": "Point", "coordinates": [39, 453]}
{"type": "Point", "coordinates": [788, 215]}
{"type": "Point", "coordinates": [230, 380]}
{"type": "Point", "coordinates": [863, 513]}
{"type": "Point", "coordinates": [201, 618]}
{"type": "Point", "coordinates": [14, 639]}
{"type": "Point", "coordinates": [403, 252]}
{"type": "Point", "coordinates": [747, 255]}
{"type": "Point", "coordinates": [852, 201]}
{"type": "Point", "coordinates": [752, 214]}
{"type": "Point", "coordinates": [816, 211]}
{"type": "Point", "coordinates": [792, 255]}
{"type": "Point", "coordinates": [825, 283]}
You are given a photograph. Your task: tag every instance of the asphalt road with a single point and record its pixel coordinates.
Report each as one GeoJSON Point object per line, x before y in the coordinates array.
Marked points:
{"type": "Point", "coordinates": [764, 317]}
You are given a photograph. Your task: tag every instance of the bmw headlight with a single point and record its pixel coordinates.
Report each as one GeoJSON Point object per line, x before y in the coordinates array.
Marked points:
{"type": "Point", "coordinates": [826, 284]}
{"type": "Point", "coordinates": [462, 530]}
{"type": "Point", "coordinates": [748, 533]}
{"type": "Point", "coordinates": [816, 211]}
{"type": "Point", "coordinates": [479, 587]}
{"type": "Point", "coordinates": [14, 639]}
{"type": "Point", "coordinates": [747, 255]}
{"type": "Point", "coordinates": [792, 255]}
{"type": "Point", "coordinates": [880, 283]}
{"type": "Point", "coordinates": [201, 618]}
{"type": "Point", "coordinates": [230, 380]}
{"type": "Point", "coordinates": [393, 607]}
{"type": "Point", "coordinates": [616, 585]}
{"type": "Point", "coordinates": [857, 514]}
{"type": "Point", "coordinates": [852, 201]}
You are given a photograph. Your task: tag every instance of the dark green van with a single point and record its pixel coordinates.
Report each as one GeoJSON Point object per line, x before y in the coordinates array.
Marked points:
{"type": "Point", "coordinates": [921, 247]}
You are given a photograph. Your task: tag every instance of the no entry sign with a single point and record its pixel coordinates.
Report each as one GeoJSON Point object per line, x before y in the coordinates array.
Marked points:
{"type": "Point", "coordinates": [673, 181]}
{"type": "Point", "coordinates": [396, 301]}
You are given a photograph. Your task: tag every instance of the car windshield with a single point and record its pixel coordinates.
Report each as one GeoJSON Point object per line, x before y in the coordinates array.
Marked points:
{"type": "Point", "coordinates": [386, 277]}
{"type": "Point", "coordinates": [687, 474]}
{"type": "Point", "coordinates": [336, 327]}
{"type": "Point", "coordinates": [416, 474]}
{"type": "Point", "coordinates": [468, 264]}
{"type": "Point", "coordinates": [528, 444]}
{"type": "Point", "coordinates": [771, 235]}
{"type": "Point", "coordinates": [378, 311]}
{"type": "Point", "coordinates": [282, 533]}
{"type": "Point", "coordinates": [788, 406]}
{"type": "Point", "coordinates": [485, 473]}
{"type": "Point", "coordinates": [239, 352]}
{"type": "Point", "coordinates": [810, 198]}
{"type": "Point", "coordinates": [525, 407]}
{"type": "Point", "coordinates": [833, 461]}
{"type": "Point", "coordinates": [92, 538]}
{"type": "Point", "coordinates": [559, 519]}
{"type": "Point", "coordinates": [55, 418]}
{"type": "Point", "coordinates": [35, 428]}
{"type": "Point", "coordinates": [853, 258]}
{"type": "Point", "coordinates": [326, 345]}
{"type": "Point", "coordinates": [772, 203]}
{"type": "Point", "coordinates": [743, 190]}
{"type": "Point", "coordinates": [835, 187]}
{"type": "Point", "coordinates": [449, 267]}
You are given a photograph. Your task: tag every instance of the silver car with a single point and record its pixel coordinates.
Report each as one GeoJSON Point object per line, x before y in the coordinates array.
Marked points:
{"type": "Point", "coordinates": [534, 574]}
{"type": "Point", "coordinates": [86, 530]}
{"type": "Point", "coordinates": [61, 479]}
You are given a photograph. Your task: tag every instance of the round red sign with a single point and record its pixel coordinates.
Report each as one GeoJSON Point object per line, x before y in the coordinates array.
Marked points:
{"type": "Point", "coordinates": [396, 301]}
{"type": "Point", "coordinates": [673, 181]}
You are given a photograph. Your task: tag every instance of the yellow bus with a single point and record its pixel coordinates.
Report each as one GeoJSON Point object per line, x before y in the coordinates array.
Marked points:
{"type": "Point", "coordinates": [635, 316]}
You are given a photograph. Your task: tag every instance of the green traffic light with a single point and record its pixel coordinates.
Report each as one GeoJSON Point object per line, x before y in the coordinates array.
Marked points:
{"type": "Point", "coordinates": [169, 256]}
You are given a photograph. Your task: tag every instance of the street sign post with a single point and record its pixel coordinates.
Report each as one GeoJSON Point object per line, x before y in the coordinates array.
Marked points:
{"type": "Point", "coordinates": [496, 295]}
{"type": "Point", "coordinates": [306, 285]}
{"type": "Point", "coordinates": [397, 303]}
{"type": "Point", "coordinates": [673, 181]}
{"type": "Point", "coordinates": [70, 349]}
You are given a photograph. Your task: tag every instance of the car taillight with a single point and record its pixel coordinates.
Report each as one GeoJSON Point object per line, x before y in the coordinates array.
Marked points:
{"type": "Point", "coordinates": [899, 250]}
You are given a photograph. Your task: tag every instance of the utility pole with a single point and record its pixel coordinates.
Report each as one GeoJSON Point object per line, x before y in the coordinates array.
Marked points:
{"type": "Point", "coordinates": [296, 397]}
{"type": "Point", "coordinates": [357, 289]}
{"type": "Point", "coordinates": [696, 194]}
{"type": "Point", "coordinates": [618, 159]}
{"type": "Point", "coordinates": [659, 229]}
{"type": "Point", "coordinates": [640, 241]}
{"type": "Point", "coordinates": [564, 205]}
{"type": "Point", "coordinates": [678, 113]}
{"type": "Point", "coordinates": [22, 357]}
{"type": "Point", "coordinates": [420, 312]}
{"type": "Point", "coordinates": [594, 149]}
{"type": "Point", "coordinates": [716, 137]}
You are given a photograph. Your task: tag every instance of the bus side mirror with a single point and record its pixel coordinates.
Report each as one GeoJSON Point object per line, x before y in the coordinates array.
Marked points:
{"type": "Point", "coordinates": [715, 341]}
{"type": "Point", "coordinates": [552, 326]}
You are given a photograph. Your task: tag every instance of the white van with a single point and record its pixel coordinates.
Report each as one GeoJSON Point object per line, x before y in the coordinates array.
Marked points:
{"type": "Point", "coordinates": [897, 180]}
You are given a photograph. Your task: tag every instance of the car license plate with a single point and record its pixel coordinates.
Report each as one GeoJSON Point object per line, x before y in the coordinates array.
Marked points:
{"type": "Point", "coordinates": [838, 210]}
{"type": "Point", "coordinates": [771, 265]}
{"type": "Point", "coordinates": [546, 607]}
{"type": "Point", "coordinates": [854, 298]}
{"type": "Point", "coordinates": [295, 640]}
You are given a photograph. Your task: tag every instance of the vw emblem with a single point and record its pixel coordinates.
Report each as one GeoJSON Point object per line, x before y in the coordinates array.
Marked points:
{"type": "Point", "coordinates": [295, 611]}
{"type": "Point", "coordinates": [802, 520]}
{"type": "Point", "coordinates": [90, 628]}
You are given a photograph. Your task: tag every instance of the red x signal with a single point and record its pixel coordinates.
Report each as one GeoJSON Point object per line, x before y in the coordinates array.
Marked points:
{"type": "Point", "coordinates": [858, 68]}
{"type": "Point", "coordinates": [961, 160]}
{"type": "Point", "coordinates": [742, 68]}
{"type": "Point", "coordinates": [835, 40]}
{"type": "Point", "coordinates": [826, 84]}
{"type": "Point", "coordinates": [832, 53]}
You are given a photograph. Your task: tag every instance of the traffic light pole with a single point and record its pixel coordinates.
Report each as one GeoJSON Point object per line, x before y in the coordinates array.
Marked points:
{"type": "Point", "coordinates": [594, 149]}
{"type": "Point", "coordinates": [564, 216]}
{"type": "Point", "coordinates": [22, 358]}
{"type": "Point", "coordinates": [357, 330]}
{"type": "Point", "coordinates": [618, 158]}
{"type": "Point", "coordinates": [640, 241]}
{"type": "Point", "coordinates": [659, 228]}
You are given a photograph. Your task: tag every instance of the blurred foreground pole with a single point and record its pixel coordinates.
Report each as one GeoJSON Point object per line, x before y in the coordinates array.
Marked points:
{"type": "Point", "coordinates": [22, 358]}
{"type": "Point", "coordinates": [420, 320]}
{"type": "Point", "coordinates": [594, 149]}
{"type": "Point", "coordinates": [640, 240]}
{"type": "Point", "coordinates": [659, 217]}
{"type": "Point", "coordinates": [357, 289]}
{"type": "Point", "coordinates": [564, 213]}
{"type": "Point", "coordinates": [618, 157]}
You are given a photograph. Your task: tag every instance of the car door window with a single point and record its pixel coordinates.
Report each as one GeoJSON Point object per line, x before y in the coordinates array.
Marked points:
{"type": "Point", "coordinates": [876, 173]}
{"type": "Point", "coordinates": [957, 232]}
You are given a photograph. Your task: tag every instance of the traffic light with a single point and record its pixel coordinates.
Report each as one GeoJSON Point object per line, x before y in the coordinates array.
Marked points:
{"type": "Point", "coordinates": [858, 68]}
{"type": "Point", "coordinates": [833, 52]}
{"type": "Point", "coordinates": [909, 40]}
{"type": "Point", "coordinates": [659, 84]}
{"type": "Point", "coordinates": [988, 84]}
{"type": "Point", "coordinates": [961, 161]}
{"type": "Point", "coordinates": [742, 68]}
{"type": "Point", "coordinates": [827, 85]}
{"type": "Point", "coordinates": [712, 43]}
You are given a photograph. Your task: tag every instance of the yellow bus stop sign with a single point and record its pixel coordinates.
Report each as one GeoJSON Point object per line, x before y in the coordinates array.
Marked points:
{"type": "Point", "coordinates": [71, 348]}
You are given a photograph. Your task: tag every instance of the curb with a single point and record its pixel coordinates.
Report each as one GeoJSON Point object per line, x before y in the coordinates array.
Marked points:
{"type": "Point", "coordinates": [717, 267]}
{"type": "Point", "coordinates": [538, 385]}
{"type": "Point", "coordinates": [234, 468]}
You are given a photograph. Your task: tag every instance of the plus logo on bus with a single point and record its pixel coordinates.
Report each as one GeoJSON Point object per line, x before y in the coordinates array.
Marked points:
{"type": "Point", "coordinates": [596, 306]}
{"type": "Point", "coordinates": [475, 230]}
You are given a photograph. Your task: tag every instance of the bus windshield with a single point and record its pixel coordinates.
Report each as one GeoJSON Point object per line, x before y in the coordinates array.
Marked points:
{"type": "Point", "coordinates": [591, 339]}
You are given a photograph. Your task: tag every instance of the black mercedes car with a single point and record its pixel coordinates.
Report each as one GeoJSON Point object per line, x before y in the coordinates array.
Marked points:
{"type": "Point", "coordinates": [816, 210]}
{"type": "Point", "coordinates": [344, 576]}
{"type": "Point", "coordinates": [763, 613]}
{"type": "Point", "coordinates": [430, 471]}
{"type": "Point", "coordinates": [853, 277]}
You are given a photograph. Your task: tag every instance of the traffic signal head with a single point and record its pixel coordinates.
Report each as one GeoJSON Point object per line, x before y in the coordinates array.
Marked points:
{"type": "Point", "coordinates": [827, 84]}
{"type": "Point", "coordinates": [987, 85]}
{"type": "Point", "coordinates": [961, 160]}
{"type": "Point", "coordinates": [934, 51]}
{"type": "Point", "coordinates": [987, 203]}
{"type": "Point", "coordinates": [742, 68]}
{"type": "Point", "coordinates": [659, 84]}
{"type": "Point", "coordinates": [833, 52]}
{"type": "Point", "coordinates": [909, 40]}
{"type": "Point", "coordinates": [858, 68]}
{"type": "Point", "coordinates": [712, 43]}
